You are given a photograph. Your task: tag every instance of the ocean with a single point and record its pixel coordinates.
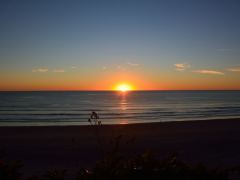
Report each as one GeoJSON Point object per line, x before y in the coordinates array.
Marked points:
{"type": "Point", "coordinates": [74, 108]}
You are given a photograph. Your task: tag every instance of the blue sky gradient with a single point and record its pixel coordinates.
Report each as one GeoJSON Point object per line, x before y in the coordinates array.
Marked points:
{"type": "Point", "coordinates": [154, 34]}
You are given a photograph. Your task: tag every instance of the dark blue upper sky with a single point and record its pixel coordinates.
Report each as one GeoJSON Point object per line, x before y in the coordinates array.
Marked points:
{"type": "Point", "coordinates": [156, 33]}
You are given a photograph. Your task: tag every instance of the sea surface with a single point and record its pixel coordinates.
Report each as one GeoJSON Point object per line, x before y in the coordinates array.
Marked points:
{"type": "Point", "coordinates": [74, 108]}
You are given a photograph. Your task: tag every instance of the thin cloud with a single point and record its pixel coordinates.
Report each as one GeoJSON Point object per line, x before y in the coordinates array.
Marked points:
{"type": "Point", "coordinates": [133, 64]}
{"type": "Point", "coordinates": [73, 67]}
{"type": "Point", "coordinates": [58, 70]}
{"type": "Point", "coordinates": [40, 70]}
{"type": "Point", "coordinates": [211, 72]}
{"type": "Point", "coordinates": [235, 69]}
{"type": "Point", "coordinates": [182, 66]}
{"type": "Point", "coordinates": [104, 68]}
{"type": "Point", "coordinates": [120, 67]}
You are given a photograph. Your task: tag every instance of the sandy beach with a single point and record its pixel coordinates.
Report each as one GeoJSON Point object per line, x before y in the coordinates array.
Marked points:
{"type": "Point", "coordinates": [215, 143]}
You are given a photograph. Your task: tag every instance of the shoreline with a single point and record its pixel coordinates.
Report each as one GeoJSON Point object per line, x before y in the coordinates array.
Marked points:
{"type": "Point", "coordinates": [128, 124]}
{"type": "Point", "coordinates": [215, 143]}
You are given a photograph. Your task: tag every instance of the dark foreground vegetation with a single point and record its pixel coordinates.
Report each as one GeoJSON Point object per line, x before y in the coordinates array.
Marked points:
{"type": "Point", "coordinates": [116, 167]}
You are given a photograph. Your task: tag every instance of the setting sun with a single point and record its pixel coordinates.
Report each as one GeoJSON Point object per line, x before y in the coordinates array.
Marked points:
{"type": "Point", "coordinates": [123, 87]}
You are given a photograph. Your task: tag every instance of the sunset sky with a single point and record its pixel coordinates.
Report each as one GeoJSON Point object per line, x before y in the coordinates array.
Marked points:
{"type": "Point", "coordinates": [98, 44]}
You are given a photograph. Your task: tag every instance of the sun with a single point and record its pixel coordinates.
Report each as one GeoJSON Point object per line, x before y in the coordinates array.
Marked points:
{"type": "Point", "coordinates": [124, 87]}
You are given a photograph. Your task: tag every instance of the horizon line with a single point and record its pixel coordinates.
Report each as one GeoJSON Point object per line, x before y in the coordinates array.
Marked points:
{"type": "Point", "coordinates": [118, 91]}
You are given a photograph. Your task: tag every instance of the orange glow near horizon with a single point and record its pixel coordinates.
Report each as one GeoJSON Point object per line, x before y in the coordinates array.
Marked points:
{"type": "Point", "coordinates": [116, 81]}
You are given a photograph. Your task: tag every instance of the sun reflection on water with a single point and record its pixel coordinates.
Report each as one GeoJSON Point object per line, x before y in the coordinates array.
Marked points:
{"type": "Point", "coordinates": [123, 122]}
{"type": "Point", "coordinates": [123, 104]}
{"type": "Point", "coordinates": [123, 101]}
